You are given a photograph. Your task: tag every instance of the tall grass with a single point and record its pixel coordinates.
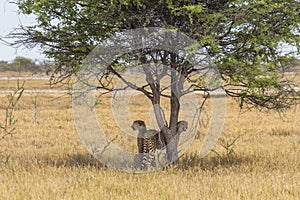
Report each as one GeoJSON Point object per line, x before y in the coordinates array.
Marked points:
{"type": "Point", "coordinates": [48, 160]}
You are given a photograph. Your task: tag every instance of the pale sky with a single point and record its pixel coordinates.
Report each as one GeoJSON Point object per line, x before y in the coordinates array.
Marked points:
{"type": "Point", "coordinates": [10, 19]}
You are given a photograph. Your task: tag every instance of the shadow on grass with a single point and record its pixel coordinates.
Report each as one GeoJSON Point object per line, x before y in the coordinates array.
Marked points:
{"type": "Point", "coordinates": [194, 161]}
{"type": "Point", "coordinates": [187, 162]}
{"type": "Point", "coordinates": [80, 160]}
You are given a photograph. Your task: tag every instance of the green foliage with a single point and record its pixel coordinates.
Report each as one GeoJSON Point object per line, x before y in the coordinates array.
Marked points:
{"type": "Point", "coordinates": [242, 37]}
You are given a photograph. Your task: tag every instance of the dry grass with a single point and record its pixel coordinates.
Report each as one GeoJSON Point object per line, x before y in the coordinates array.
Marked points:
{"type": "Point", "coordinates": [48, 161]}
{"type": "Point", "coordinates": [28, 84]}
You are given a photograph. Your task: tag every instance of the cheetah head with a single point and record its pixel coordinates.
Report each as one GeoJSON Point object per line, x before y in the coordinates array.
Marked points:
{"type": "Point", "coordinates": [182, 126]}
{"type": "Point", "coordinates": [138, 124]}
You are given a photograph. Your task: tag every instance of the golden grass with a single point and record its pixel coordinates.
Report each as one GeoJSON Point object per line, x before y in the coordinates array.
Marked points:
{"type": "Point", "coordinates": [31, 84]}
{"type": "Point", "coordinates": [48, 160]}
{"type": "Point", "coordinates": [28, 84]}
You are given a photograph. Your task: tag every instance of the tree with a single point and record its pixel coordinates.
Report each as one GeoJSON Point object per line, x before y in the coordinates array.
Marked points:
{"type": "Point", "coordinates": [3, 65]}
{"type": "Point", "coordinates": [23, 64]}
{"type": "Point", "coordinates": [242, 37]}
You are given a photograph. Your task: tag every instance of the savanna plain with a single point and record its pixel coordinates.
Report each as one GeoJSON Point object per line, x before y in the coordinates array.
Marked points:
{"type": "Point", "coordinates": [256, 157]}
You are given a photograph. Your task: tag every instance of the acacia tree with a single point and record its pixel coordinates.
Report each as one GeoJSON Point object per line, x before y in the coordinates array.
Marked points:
{"type": "Point", "coordinates": [243, 38]}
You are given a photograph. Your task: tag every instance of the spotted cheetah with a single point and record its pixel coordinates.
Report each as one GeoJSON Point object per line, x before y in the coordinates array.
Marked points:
{"type": "Point", "coordinates": [150, 140]}
{"type": "Point", "coordinates": [147, 143]}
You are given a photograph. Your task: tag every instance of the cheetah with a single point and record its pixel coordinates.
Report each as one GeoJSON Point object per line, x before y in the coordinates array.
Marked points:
{"type": "Point", "coordinates": [150, 140]}
{"type": "Point", "coordinates": [147, 143]}
{"type": "Point", "coordinates": [161, 141]}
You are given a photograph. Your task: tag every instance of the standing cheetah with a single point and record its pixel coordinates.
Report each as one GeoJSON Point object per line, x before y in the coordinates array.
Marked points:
{"type": "Point", "coordinates": [150, 140]}
{"type": "Point", "coordinates": [147, 142]}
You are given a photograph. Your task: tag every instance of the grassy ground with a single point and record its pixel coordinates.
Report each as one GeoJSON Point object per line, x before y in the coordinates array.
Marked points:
{"type": "Point", "coordinates": [46, 159]}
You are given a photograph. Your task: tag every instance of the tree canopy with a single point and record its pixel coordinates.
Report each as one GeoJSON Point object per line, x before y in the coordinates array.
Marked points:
{"type": "Point", "coordinates": [244, 38]}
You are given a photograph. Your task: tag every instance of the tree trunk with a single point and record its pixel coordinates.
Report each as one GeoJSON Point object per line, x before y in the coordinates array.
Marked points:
{"type": "Point", "coordinates": [169, 133]}
{"type": "Point", "coordinates": [171, 136]}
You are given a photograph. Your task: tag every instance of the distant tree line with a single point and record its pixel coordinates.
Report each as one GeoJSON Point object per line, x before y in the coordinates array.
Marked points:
{"type": "Point", "coordinates": [23, 64]}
